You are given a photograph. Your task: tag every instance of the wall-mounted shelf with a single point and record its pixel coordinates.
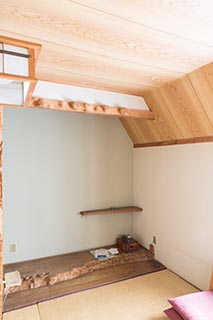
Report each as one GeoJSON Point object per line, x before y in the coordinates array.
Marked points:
{"type": "Point", "coordinates": [112, 210]}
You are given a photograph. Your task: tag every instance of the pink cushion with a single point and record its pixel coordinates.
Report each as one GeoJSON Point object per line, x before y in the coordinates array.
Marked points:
{"type": "Point", "coordinates": [194, 306]}
{"type": "Point", "coordinates": [172, 314]}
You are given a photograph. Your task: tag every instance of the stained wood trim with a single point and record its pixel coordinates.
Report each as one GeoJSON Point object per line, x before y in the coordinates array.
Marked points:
{"type": "Point", "coordinates": [16, 77]}
{"type": "Point", "coordinates": [20, 43]}
{"type": "Point", "coordinates": [112, 210]}
{"type": "Point", "coordinates": [29, 93]}
{"type": "Point", "coordinates": [173, 142]}
{"type": "Point", "coordinates": [211, 282]}
{"type": "Point", "coordinates": [34, 48]}
{"type": "Point", "coordinates": [82, 107]}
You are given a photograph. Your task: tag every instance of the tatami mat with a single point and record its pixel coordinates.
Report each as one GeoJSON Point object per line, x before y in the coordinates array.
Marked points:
{"type": "Point", "coordinates": [141, 298]}
{"type": "Point", "coordinates": [29, 313]}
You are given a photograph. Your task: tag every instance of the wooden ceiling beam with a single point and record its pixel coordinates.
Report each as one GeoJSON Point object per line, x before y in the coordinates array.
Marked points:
{"type": "Point", "coordinates": [99, 109]}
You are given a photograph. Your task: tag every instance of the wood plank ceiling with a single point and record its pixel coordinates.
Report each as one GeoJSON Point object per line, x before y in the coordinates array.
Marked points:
{"type": "Point", "coordinates": [147, 48]}
{"type": "Point", "coordinates": [183, 111]}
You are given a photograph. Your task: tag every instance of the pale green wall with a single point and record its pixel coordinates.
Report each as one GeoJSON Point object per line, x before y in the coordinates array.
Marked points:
{"type": "Point", "coordinates": [56, 164]}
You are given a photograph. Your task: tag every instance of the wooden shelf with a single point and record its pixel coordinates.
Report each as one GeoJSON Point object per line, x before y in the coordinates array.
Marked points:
{"type": "Point", "coordinates": [111, 211]}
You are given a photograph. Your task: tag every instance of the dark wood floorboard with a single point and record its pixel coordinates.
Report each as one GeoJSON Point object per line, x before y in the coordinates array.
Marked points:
{"type": "Point", "coordinates": [84, 282]}
{"type": "Point", "coordinates": [65, 262]}
{"type": "Point", "coordinates": [54, 264]}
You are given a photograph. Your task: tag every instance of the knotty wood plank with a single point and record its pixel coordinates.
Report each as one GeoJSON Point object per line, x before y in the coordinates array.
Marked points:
{"type": "Point", "coordinates": [62, 264]}
{"type": "Point", "coordinates": [51, 74]}
{"type": "Point", "coordinates": [111, 211]}
{"type": "Point", "coordinates": [185, 106]}
{"type": "Point", "coordinates": [183, 112]}
{"type": "Point", "coordinates": [202, 81]}
{"type": "Point", "coordinates": [133, 134]}
{"type": "Point", "coordinates": [164, 120]}
{"type": "Point", "coordinates": [139, 132]}
{"type": "Point", "coordinates": [82, 107]}
{"type": "Point", "coordinates": [163, 128]}
{"type": "Point", "coordinates": [96, 278]}
{"type": "Point", "coordinates": [103, 67]}
{"type": "Point", "coordinates": [195, 16]}
{"type": "Point", "coordinates": [102, 34]}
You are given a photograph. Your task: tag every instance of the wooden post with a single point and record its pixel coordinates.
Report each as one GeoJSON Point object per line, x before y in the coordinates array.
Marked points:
{"type": "Point", "coordinates": [1, 248]}
{"type": "Point", "coordinates": [211, 282]}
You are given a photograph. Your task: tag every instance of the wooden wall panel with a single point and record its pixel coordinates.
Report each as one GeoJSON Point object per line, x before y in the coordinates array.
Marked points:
{"type": "Point", "coordinates": [164, 118]}
{"type": "Point", "coordinates": [185, 106]}
{"type": "Point", "coordinates": [141, 130]}
{"type": "Point", "coordinates": [183, 111]}
{"type": "Point", "coordinates": [132, 131]}
{"type": "Point", "coordinates": [202, 81]}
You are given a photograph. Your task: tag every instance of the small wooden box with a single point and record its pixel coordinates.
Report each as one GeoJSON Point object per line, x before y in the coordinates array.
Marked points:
{"type": "Point", "coordinates": [127, 246]}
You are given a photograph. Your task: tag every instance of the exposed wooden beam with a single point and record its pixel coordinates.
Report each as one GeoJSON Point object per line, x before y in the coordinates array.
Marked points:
{"type": "Point", "coordinates": [29, 93]}
{"type": "Point", "coordinates": [82, 107]}
{"type": "Point", "coordinates": [211, 282]}
{"type": "Point", "coordinates": [173, 142]}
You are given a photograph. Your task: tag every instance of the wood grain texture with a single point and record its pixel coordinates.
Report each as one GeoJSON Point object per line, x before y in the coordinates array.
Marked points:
{"type": "Point", "coordinates": [164, 120]}
{"type": "Point", "coordinates": [74, 106]}
{"type": "Point", "coordinates": [85, 282]}
{"type": "Point", "coordinates": [103, 67]}
{"type": "Point", "coordinates": [135, 299]}
{"type": "Point", "coordinates": [114, 43]}
{"type": "Point", "coordinates": [102, 34]}
{"type": "Point", "coordinates": [29, 94]}
{"type": "Point", "coordinates": [202, 81]}
{"type": "Point", "coordinates": [70, 78]}
{"type": "Point", "coordinates": [111, 211]}
{"type": "Point", "coordinates": [211, 282]}
{"type": "Point", "coordinates": [182, 109]}
{"type": "Point", "coordinates": [195, 16]}
{"type": "Point", "coordinates": [185, 106]}
{"type": "Point", "coordinates": [69, 270]}
{"type": "Point", "coordinates": [140, 132]}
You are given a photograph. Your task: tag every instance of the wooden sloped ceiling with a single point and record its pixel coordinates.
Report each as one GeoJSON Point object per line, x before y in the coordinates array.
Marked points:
{"type": "Point", "coordinates": [183, 112]}
{"type": "Point", "coordinates": [126, 46]}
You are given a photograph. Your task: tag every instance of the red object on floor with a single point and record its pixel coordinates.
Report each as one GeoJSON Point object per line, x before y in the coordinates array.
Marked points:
{"type": "Point", "coordinates": [124, 246]}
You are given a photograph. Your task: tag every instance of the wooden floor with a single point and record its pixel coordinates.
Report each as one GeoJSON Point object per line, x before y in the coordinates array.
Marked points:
{"type": "Point", "coordinates": [140, 298]}
{"type": "Point", "coordinates": [96, 278]}
{"type": "Point", "coordinates": [59, 264]}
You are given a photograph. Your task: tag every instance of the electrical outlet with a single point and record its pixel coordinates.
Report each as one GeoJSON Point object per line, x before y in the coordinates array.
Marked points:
{"type": "Point", "coordinates": [154, 240]}
{"type": "Point", "coordinates": [13, 247]}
